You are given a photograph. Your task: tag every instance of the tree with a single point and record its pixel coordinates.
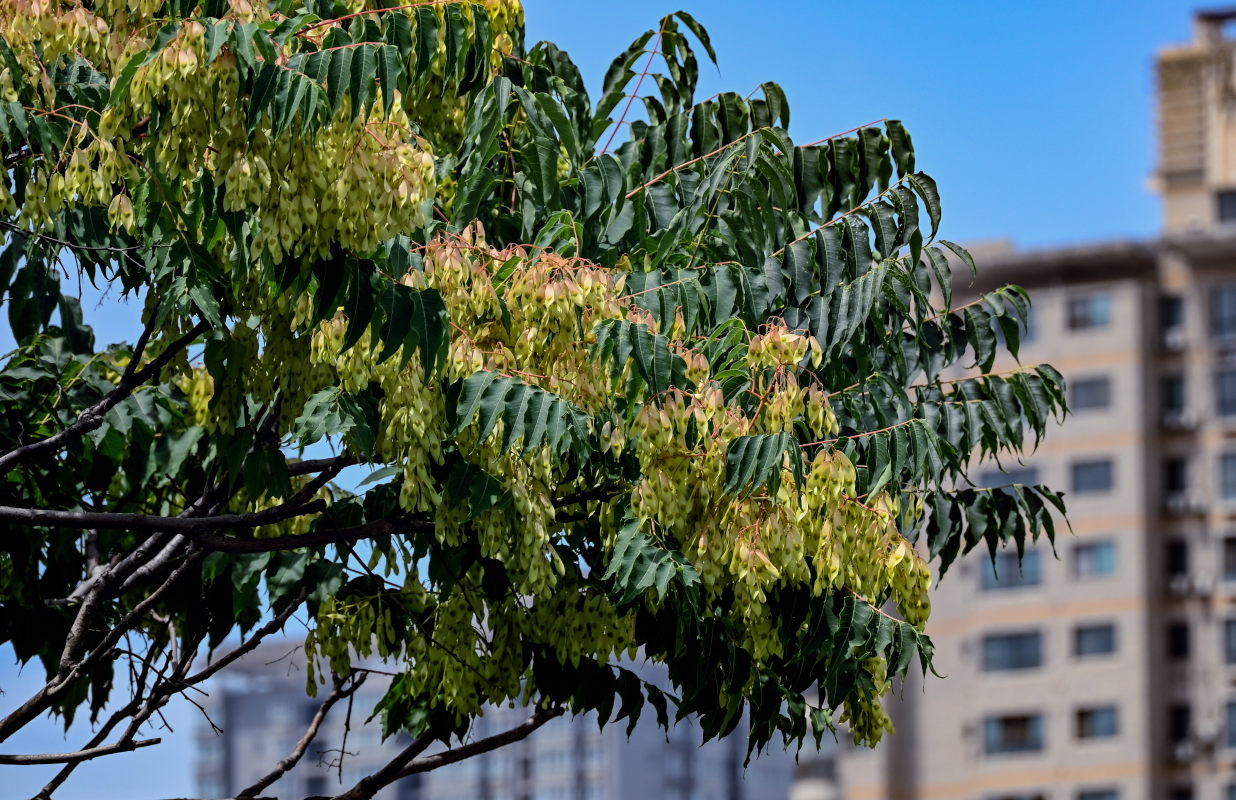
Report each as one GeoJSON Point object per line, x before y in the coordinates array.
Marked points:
{"type": "Point", "coordinates": [672, 385]}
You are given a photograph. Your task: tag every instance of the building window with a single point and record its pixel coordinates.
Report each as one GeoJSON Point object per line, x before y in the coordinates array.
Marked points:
{"type": "Point", "coordinates": [1018, 733]}
{"type": "Point", "coordinates": [1098, 794]}
{"type": "Point", "coordinates": [1090, 393]}
{"type": "Point", "coordinates": [1177, 558]}
{"type": "Point", "coordinates": [1005, 573]}
{"type": "Point", "coordinates": [1231, 724]}
{"type": "Point", "coordinates": [1094, 640]}
{"type": "Point", "coordinates": [1229, 641]}
{"type": "Point", "coordinates": [1225, 392]}
{"type": "Point", "coordinates": [1229, 558]}
{"type": "Point", "coordinates": [1094, 559]}
{"type": "Point", "coordinates": [1227, 476]}
{"type": "Point", "coordinates": [1230, 792]}
{"type": "Point", "coordinates": [1009, 651]}
{"type": "Point", "coordinates": [997, 479]}
{"type": "Point", "coordinates": [1178, 640]}
{"type": "Point", "coordinates": [1173, 394]}
{"type": "Point", "coordinates": [1227, 205]}
{"type": "Point", "coordinates": [1095, 476]}
{"type": "Point", "coordinates": [1090, 311]}
{"type": "Point", "coordinates": [1223, 310]}
{"type": "Point", "coordinates": [1175, 475]}
{"type": "Point", "coordinates": [1179, 723]}
{"type": "Point", "coordinates": [1181, 793]}
{"type": "Point", "coordinates": [1171, 312]}
{"type": "Point", "coordinates": [1100, 722]}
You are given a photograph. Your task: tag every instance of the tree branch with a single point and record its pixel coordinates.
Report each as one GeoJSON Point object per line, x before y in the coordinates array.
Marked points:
{"type": "Point", "coordinates": [310, 466]}
{"type": "Point", "coordinates": [370, 785]}
{"type": "Point", "coordinates": [92, 417]}
{"type": "Point", "coordinates": [80, 755]}
{"type": "Point", "coordinates": [337, 694]}
{"type": "Point", "coordinates": [482, 745]}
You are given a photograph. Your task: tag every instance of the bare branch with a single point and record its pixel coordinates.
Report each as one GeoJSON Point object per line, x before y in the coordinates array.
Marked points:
{"type": "Point", "coordinates": [92, 417]}
{"type": "Point", "coordinates": [482, 745]}
{"type": "Point", "coordinates": [252, 642]}
{"type": "Point", "coordinates": [191, 527]}
{"type": "Point", "coordinates": [70, 672]}
{"type": "Point", "coordinates": [312, 465]}
{"type": "Point", "coordinates": [337, 694]}
{"type": "Point", "coordinates": [80, 755]}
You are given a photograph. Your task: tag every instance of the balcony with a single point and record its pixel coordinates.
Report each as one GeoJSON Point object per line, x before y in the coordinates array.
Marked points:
{"type": "Point", "coordinates": [1185, 503]}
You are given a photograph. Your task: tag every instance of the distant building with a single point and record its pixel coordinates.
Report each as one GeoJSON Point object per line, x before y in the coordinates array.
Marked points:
{"type": "Point", "coordinates": [263, 711]}
{"type": "Point", "coordinates": [1107, 670]}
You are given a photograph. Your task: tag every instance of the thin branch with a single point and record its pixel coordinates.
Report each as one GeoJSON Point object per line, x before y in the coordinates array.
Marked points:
{"type": "Point", "coordinates": [482, 745]}
{"type": "Point", "coordinates": [71, 245]}
{"type": "Point", "coordinates": [252, 642]}
{"type": "Point", "coordinates": [80, 755]}
{"type": "Point", "coordinates": [189, 526]}
{"type": "Point", "coordinates": [70, 672]}
{"type": "Point", "coordinates": [370, 785]}
{"type": "Point", "coordinates": [310, 466]}
{"type": "Point", "coordinates": [601, 493]}
{"type": "Point", "coordinates": [652, 54]}
{"type": "Point", "coordinates": [337, 694]}
{"type": "Point", "coordinates": [92, 417]}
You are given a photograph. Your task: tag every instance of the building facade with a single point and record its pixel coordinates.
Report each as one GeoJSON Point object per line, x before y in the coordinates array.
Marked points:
{"type": "Point", "coordinates": [262, 711]}
{"type": "Point", "coordinates": [1105, 667]}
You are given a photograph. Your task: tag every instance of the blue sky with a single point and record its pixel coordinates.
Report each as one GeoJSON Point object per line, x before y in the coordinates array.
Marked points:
{"type": "Point", "coordinates": [1035, 119]}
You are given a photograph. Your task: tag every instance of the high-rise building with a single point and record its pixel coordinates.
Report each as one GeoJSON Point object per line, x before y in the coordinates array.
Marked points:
{"type": "Point", "coordinates": [262, 711]}
{"type": "Point", "coordinates": [1105, 668]}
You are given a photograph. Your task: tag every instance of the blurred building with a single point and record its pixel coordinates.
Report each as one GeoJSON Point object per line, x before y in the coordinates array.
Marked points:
{"type": "Point", "coordinates": [263, 711]}
{"type": "Point", "coordinates": [1106, 670]}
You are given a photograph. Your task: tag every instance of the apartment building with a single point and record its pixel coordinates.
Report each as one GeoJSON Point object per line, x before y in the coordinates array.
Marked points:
{"type": "Point", "coordinates": [262, 711]}
{"type": "Point", "coordinates": [1105, 667]}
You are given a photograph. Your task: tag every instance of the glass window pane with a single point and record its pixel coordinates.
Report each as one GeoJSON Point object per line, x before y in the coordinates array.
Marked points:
{"type": "Point", "coordinates": [1094, 559]}
{"type": "Point", "coordinates": [1180, 722]}
{"type": "Point", "coordinates": [1223, 310]}
{"type": "Point", "coordinates": [1225, 392]}
{"type": "Point", "coordinates": [1229, 641]}
{"type": "Point", "coordinates": [1227, 476]}
{"type": "Point", "coordinates": [1229, 558]}
{"type": "Point", "coordinates": [1095, 476]}
{"type": "Point", "coordinates": [1007, 575]}
{"type": "Point", "coordinates": [1010, 651]}
{"type": "Point", "coordinates": [1013, 734]}
{"type": "Point", "coordinates": [1098, 794]}
{"type": "Point", "coordinates": [1090, 311]}
{"type": "Point", "coordinates": [1231, 724]}
{"type": "Point", "coordinates": [1178, 640]}
{"type": "Point", "coordinates": [1094, 640]}
{"type": "Point", "coordinates": [1099, 722]}
{"type": "Point", "coordinates": [1177, 558]}
{"type": "Point", "coordinates": [1090, 393]}
{"type": "Point", "coordinates": [1173, 393]}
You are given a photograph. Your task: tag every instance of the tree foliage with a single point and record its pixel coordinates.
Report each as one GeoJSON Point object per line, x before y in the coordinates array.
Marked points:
{"type": "Point", "coordinates": [632, 375]}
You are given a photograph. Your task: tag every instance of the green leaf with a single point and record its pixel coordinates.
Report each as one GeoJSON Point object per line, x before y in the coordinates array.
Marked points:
{"type": "Point", "coordinates": [639, 563]}
{"type": "Point", "coordinates": [753, 462]}
{"type": "Point", "coordinates": [619, 341]}
{"type": "Point", "coordinates": [363, 69]}
{"type": "Point", "coordinates": [427, 26]}
{"type": "Point", "coordinates": [903, 149]}
{"type": "Point", "coordinates": [529, 414]}
{"type": "Point", "coordinates": [926, 188]}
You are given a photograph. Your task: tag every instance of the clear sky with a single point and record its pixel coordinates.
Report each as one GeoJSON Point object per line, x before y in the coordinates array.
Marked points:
{"type": "Point", "coordinates": [1035, 119]}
